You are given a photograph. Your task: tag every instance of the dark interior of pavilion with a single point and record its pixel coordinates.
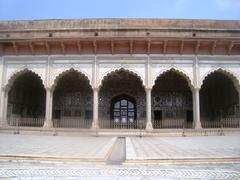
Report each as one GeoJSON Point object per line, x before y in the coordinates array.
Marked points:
{"type": "Point", "coordinates": [26, 100]}
{"type": "Point", "coordinates": [172, 101]}
{"type": "Point", "coordinates": [219, 100]}
{"type": "Point", "coordinates": [122, 101]}
{"type": "Point", "coordinates": [72, 101]}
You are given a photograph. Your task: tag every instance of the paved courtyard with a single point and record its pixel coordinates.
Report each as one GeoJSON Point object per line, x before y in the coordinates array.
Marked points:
{"type": "Point", "coordinates": [88, 157]}
{"type": "Point", "coordinates": [167, 148]}
{"type": "Point", "coordinates": [75, 148]}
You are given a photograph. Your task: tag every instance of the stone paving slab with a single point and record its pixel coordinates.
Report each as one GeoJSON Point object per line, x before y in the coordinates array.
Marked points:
{"type": "Point", "coordinates": [86, 148]}
{"type": "Point", "coordinates": [202, 147]}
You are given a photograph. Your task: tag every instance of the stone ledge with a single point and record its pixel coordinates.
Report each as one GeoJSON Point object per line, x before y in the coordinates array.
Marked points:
{"type": "Point", "coordinates": [119, 24]}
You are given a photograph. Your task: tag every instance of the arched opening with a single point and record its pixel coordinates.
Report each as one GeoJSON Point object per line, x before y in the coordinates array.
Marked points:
{"type": "Point", "coordinates": [123, 110]}
{"type": "Point", "coordinates": [122, 101]}
{"type": "Point", "coordinates": [26, 100]}
{"type": "Point", "coordinates": [219, 102]}
{"type": "Point", "coordinates": [172, 101]}
{"type": "Point", "coordinates": [72, 101]}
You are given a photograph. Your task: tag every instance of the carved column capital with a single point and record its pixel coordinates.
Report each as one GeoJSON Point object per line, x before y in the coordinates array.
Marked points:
{"type": "Point", "coordinates": [197, 89]}
{"type": "Point", "coordinates": [5, 88]}
{"type": "Point", "coordinates": [50, 89]}
{"type": "Point", "coordinates": [147, 89]}
{"type": "Point", "coordinates": [96, 89]}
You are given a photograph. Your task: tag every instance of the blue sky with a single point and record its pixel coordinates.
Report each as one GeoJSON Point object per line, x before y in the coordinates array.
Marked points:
{"type": "Point", "coordinates": [75, 9]}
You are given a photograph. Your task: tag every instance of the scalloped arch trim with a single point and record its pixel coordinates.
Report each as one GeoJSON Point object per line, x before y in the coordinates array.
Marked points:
{"type": "Point", "coordinates": [62, 74]}
{"type": "Point", "coordinates": [226, 72]}
{"type": "Point", "coordinates": [173, 69]}
{"type": "Point", "coordinates": [105, 77]}
{"type": "Point", "coordinates": [17, 74]}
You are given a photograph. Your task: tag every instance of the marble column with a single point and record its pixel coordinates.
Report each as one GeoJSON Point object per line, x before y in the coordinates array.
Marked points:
{"type": "Point", "coordinates": [48, 112]}
{"type": "Point", "coordinates": [3, 110]}
{"type": "Point", "coordinates": [239, 97]}
{"type": "Point", "coordinates": [238, 110]}
{"type": "Point", "coordinates": [95, 123]}
{"type": "Point", "coordinates": [148, 109]}
{"type": "Point", "coordinates": [196, 106]}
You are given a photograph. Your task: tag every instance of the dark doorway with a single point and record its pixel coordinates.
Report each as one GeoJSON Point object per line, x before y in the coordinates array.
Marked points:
{"type": "Point", "coordinates": [123, 109]}
{"type": "Point", "coordinates": [157, 118]}
{"type": "Point", "coordinates": [158, 115]}
{"type": "Point", "coordinates": [189, 122]}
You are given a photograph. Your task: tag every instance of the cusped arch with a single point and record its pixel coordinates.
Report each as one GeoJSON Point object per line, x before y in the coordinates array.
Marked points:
{"type": "Point", "coordinates": [60, 75]}
{"type": "Point", "coordinates": [226, 72]}
{"type": "Point", "coordinates": [17, 74]}
{"type": "Point", "coordinates": [109, 73]}
{"type": "Point", "coordinates": [178, 71]}
{"type": "Point", "coordinates": [122, 96]}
